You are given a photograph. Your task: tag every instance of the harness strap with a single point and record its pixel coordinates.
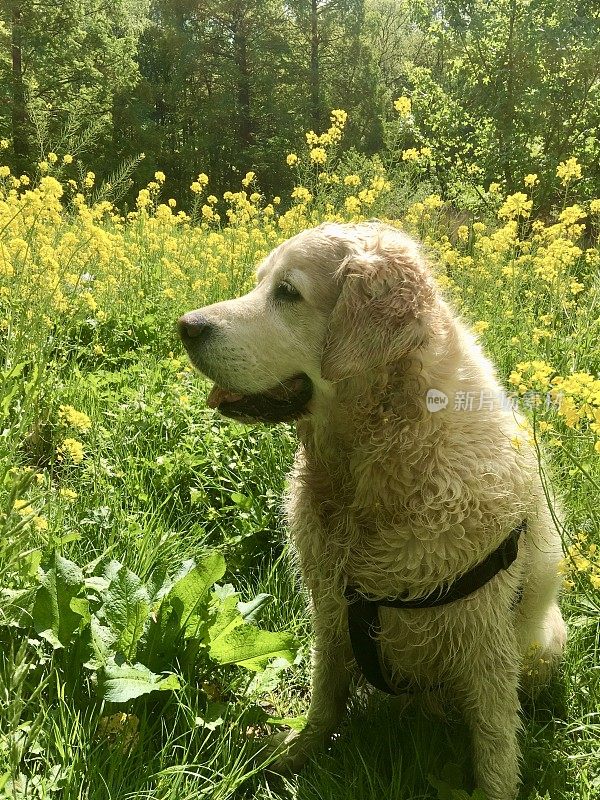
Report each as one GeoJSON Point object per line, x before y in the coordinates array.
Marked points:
{"type": "Point", "coordinates": [363, 613]}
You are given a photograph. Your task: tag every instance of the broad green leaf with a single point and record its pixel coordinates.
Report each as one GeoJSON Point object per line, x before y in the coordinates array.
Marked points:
{"type": "Point", "coordinates": [241, 500]}
{"type": "Point", "coordinates": [29, 563]}
{"type": "Point", "coordinates": [102, 641]}
{"type": "Point", "coordinates": [81, 606]}
{"type": "Point", "coordinates": [110, 570]}
{"type": "Point", "coordinates": [188, 595]}
{"type": "Point", "coordinates": [226, 619]}
{"type": "Point", "coordinates": [53, 617]}
{"type": "Point", "coordinates": [252, 648]}
{"type": "Point", "coordinates": [222, 591]}
{"type": "Point", "coordinates": [252, 609]}
{"type": "Point", "coordinates": [213, 716]}
{"type": "Point", "coordinates": [126, 609]}
{"type": "Point", "coordinates": [125, 682]}
{"type": "Point", "coordinates": [268, 679]}
{"type": "Point", "coordinates": [170, 580]}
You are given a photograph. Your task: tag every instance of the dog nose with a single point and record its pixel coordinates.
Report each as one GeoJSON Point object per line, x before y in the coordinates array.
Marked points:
{"type": "Point", "coordinates": [194, 326]}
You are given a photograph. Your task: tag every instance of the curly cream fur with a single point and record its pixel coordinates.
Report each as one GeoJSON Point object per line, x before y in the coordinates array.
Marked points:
{"type": "Point", "coordinates": [393, 499]}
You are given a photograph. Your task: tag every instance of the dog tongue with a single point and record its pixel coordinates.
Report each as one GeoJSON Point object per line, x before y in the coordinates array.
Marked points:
{"type": "Point", "coordinates": [219, 395]}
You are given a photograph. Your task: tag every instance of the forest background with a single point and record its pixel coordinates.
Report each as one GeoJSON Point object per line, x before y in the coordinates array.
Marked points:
{"type": "Point", "coordinates": [498, 89]}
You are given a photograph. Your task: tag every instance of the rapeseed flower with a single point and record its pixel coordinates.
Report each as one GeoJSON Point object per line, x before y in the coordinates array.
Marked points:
{"type": "Point", "coordinates": [71, 450]}
{"type": "Point", "coordinates": [76, 419]}
{"type": "Point", "coordinates": [403, 106]}
{"type": "Point", "coordinates": [568, 170]}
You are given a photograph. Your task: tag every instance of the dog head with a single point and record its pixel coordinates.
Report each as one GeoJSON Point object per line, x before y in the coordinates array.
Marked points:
{"type": "Point", "coordinates": [332, 302]}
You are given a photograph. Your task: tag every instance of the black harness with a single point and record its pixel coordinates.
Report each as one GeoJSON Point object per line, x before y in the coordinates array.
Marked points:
{"type": "Point", "coordinates": [363, 614]}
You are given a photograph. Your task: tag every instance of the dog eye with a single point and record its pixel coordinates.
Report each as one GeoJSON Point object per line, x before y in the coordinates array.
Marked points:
{"type": "Point", "coordinates": [287, 293]}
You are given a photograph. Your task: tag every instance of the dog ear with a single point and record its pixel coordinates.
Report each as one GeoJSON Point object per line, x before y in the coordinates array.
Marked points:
{"type": "Point", "coordinates": [383, 309]}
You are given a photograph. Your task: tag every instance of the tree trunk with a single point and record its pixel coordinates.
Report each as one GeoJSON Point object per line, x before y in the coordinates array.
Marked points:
{"type": "Point", "coordinates": [507, 119]}
{"type": "Point", "coordinates": [240, 44]}
{"type": "Point", "coordinates": [315, 89]}
{"type": "Point", "coordinates": [19, 107]}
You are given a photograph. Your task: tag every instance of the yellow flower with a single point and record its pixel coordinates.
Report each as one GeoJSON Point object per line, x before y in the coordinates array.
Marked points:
{"type": "Point", "coordinates": [160, 177]}
{"type": "Point", "coordinates": [568, 170]}
{"type": "Point", "coordinates": [52, 158]}
{"type": "Point", "coordinates": [515, 205]}
{"type": "Point", "coordinates": [411, 154]}
{"type": "Point", "coordinates": [40, 523]}
{"type": "Point", "coordinates": [403, 106]}
{"type": "Point", "coordinates": [481, 326]}
{"type": "Point", "coordinates": [531, 179]}
{"type": "Point", "coordinates": [318, 155]}
{"type": "Point", "coordinates": [67, 494]}
{"type": "Point", "coordinates": [292, 159]}
{"type": "Point", "coordinates": [571, 214]}
{"type": "Point", "coordinates": [248, 179]}
{"type": "Point", "coordinates": [575, 287]}
{"type": "Point", "coordinates": [338, 117]}
{"type": "Point", "coordinates": [463, 233]}
{"type": "Point", "coordinates": [172, 202]}
{"type": "Point", "coordinates": [302, 194]}
{"type": "Point", "coordinates": [67, 158]}
{"type": "Point", "coordinates": [76, 419]}
{"type": "Point", "coordinates": [597, 446]}
{"type": "Point", "coordinates": [352, 205]}
{"type": "Point", "coordinates": [89, 180]}
{"type": "Point", "coordinates": [4, 172]}
{"type": "Point", "coordinates": [595, 207]}
{"type": "Point", "coordinates": [196, 187]}
{"type": "Point", "coordinates": [143, 198]}
{"type": "Point", "coordinates": [71, 450]}
{"type": "Point", "coordinates": [494, 188]}
{"type": "Point", "coordinates": [22, 507]}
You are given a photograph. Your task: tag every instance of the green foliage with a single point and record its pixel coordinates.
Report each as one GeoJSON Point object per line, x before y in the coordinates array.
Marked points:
{"type": "Point", "coordinates": [128, 634]}
{"type": "Point", "coordinates": [500, 90]}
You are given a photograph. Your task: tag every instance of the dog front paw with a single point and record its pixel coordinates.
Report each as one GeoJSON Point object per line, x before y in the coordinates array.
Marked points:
{"type": "Point", "coordinates": [292, 749]}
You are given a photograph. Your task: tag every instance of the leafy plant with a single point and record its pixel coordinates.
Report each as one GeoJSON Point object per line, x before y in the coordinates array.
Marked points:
{"type": "Point", "coordinates": [135, 637]}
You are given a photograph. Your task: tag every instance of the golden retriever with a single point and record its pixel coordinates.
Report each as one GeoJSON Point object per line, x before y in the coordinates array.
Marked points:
{"type": "Point", "coordinates": [411, 469]}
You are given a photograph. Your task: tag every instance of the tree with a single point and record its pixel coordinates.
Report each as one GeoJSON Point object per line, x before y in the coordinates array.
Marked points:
{"type": "Point", "coordinates": [68, 60]}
